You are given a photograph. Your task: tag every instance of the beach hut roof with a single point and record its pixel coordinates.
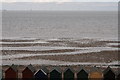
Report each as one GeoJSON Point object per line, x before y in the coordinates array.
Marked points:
{"type": "Point", "coordinates": [13, 67]}
{"type": "Point", "coordinates": [44, 69]}
{"type": "Point", "coordinates": [31, 68]}
{"type": "Point", "coordinates": [118, 72]}
{"type": "Point", "coordinates": [69, 68]}
{"type": "Point", "coordinates": [93, 69]}
{"type": "Point", "coordinates": [82, 68]}
{"type": "Point", "coordinates": [108, 69]}
{"type": "Point", "coordinates": [118, 75]}
{"type": "Point", "coordinates": [57, 69]}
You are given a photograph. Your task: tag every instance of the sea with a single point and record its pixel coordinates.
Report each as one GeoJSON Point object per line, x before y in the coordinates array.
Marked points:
{"type": "Point", "coordinates": [60, 24]}
{"type": "Point", "coordinates": [33, 31]}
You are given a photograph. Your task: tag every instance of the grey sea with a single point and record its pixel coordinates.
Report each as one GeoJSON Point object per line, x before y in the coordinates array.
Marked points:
{"type": "Point", "coordinates": [36, 34]}
{"type": "Point", "coordinates": [67, 24]}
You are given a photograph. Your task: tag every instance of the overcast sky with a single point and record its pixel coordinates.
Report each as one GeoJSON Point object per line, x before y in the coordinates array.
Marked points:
{"type": "Point", "coordinates": [60, 0]}
{"type": "Point", "coordinates": [110, 5]}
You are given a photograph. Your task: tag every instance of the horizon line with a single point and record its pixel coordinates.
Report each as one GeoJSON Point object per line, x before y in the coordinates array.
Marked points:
{"type": "Point", "coordinates": [68, 2]}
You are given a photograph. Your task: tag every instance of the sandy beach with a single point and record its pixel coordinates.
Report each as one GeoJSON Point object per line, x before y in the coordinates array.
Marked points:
{"type": "Point", "coordinates": [104, 56]}
{"type": "Point", "coordinates": [60, 51]}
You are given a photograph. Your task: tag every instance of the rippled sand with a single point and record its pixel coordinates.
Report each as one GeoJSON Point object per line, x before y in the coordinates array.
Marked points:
{"type": "Point", "coordinates": [59, 51]}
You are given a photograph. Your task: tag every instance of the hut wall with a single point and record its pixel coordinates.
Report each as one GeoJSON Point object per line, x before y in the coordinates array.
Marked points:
{"type": "Point", "coordinates": [118, 77]}
{"type": "Point", "coordinates": [40, 75]}
{"type": "Point", "coordinates": [109, 75]}
{"type": "Point", "coordinates": [0, 74]}
{"type": "Point", "coordinates": [27, 74]}
{"type": "Point", "coordinates": [95, 76]}
{"type": "Point", "coordinates": [11, 74]}
{"type": "Point", "coordinates": [55, 75]}
{"type": "Point", "coordinates": [82, 75]}
{"type": "Point", "coordinates": [68, 75]}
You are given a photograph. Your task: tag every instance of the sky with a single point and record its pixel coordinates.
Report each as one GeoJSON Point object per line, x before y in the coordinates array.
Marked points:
{"type": "Point", "coordinates": [59, 5]}
{"type": "Point", "coordinates": [59, 0]}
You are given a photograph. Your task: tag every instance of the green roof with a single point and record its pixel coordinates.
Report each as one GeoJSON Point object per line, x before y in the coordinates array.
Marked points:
{"type": "Point", "coordinates": [95, 69]}
{"type": "Point", "coordinates": [14, 67]}
{"type": "Point", "coordinates": [57, 69]}
{"type": "Point", "coordinates": [69, 68]}
{"type": "Point", "coordinates": [82, 68]}
{"type": "Point", "coordinates": [44, 69]}
{"type": "Point", "coordinates": [108, 69]}
{"type": "Point", "coordinates": [31, 68]}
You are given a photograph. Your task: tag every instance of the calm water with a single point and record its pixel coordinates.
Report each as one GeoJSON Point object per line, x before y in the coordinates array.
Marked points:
{"type": "Point", "coordinates": [46, 24]}
{"type": "Point", "coordinates": [56, 31]}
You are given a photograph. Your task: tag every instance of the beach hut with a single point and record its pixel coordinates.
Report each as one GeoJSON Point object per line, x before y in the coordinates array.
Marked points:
{"type": "Point", "coordinates": [69, 74]}
{"type": "Point", "coordinates": [28, 73]}
{"type": "Point", "coordinates": [56, 74]}
{"type": "Point", "coordinates": [118, 76]}
{"type": "Point", "coordinates": [82, 74]}
{"type": "Point", "coordinates": [42, 74]}
{"type": "Point", "coordinates": [11, 73]}
{"type": "Point", "coordinates": [0, 73]}
{"type": "Point", "coordinates": [109, 74]}
{"type": "Point", "coordinates": [95, 74]}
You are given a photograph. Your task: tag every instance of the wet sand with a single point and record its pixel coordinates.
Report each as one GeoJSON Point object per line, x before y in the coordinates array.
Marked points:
{"type": "Point", "coordinates": [60, 51]}
{"type": "Point", "coordinates": [104, 56]}
{"type": "Point", "coordinates": [70, 43]}
{"type": "Point", "coordinates": [12, 52]}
